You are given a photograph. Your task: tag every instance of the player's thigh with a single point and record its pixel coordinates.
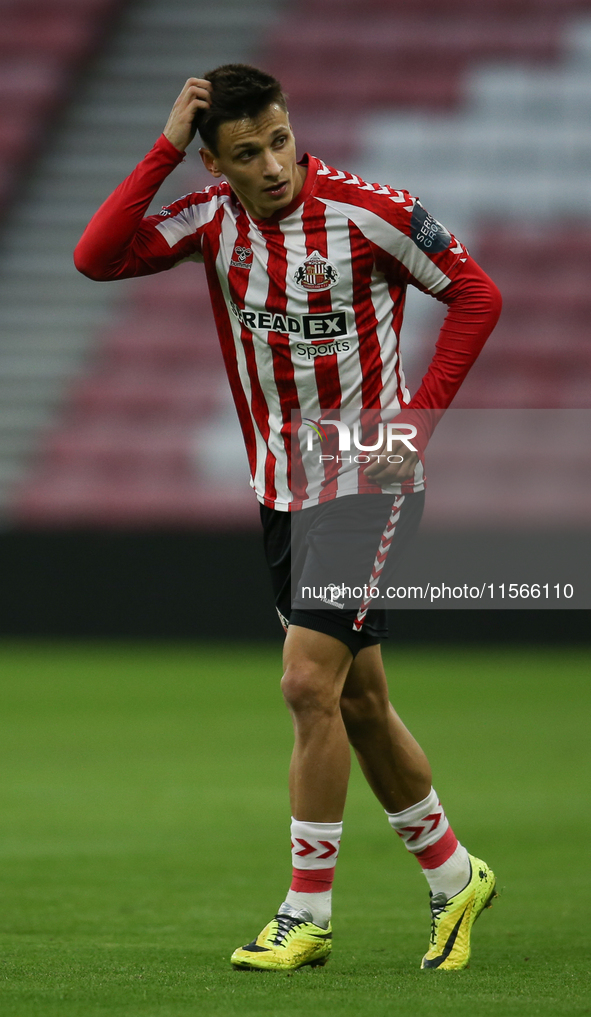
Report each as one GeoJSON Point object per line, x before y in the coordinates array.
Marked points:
{"type": "Point", "coordinates": [365, 700]}
{"type": "Point", "coordinates": [315, 667]}
{"type": "Point", "coordinates": [366, 685]}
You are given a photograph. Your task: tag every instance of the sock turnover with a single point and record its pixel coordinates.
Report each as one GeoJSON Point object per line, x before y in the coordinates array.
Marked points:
{"type": "Point", "coordinates": [426, 832]}
{"type": "Point", "coordinates": [314, 852]}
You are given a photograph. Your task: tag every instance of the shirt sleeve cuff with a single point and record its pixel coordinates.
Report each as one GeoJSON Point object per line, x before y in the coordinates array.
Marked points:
{"type": "Point", "coordinates": [167, 148]}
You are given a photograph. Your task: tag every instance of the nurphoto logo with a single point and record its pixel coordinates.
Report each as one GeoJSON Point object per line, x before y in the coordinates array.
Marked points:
{"type": "Point", "coordinates": [348, 436]}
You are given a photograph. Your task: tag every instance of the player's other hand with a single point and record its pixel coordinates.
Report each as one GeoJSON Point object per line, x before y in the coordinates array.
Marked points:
{"type": "Point", "coordinates": [180, 130]}
{"type": "Point", "coordinates": [384, 473]}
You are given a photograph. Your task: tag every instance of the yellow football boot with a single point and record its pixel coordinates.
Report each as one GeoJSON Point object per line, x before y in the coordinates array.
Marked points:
{"type": "Point", "coordinates": [289, 941]}
{"type": "Point", "coordinates": [452, 919]}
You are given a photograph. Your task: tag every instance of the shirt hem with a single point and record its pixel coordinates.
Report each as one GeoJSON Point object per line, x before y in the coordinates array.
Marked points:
{"type": "Point", "coordinates": [287, 506]}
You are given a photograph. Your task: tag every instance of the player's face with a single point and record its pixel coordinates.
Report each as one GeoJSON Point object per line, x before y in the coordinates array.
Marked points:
{"type": "Point", "coordinates": [258, 158]}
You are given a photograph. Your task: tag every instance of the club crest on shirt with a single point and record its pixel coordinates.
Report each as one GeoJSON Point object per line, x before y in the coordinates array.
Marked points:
{"type": "Point", "coordinates": [316, 273]}
{"type": "Point", "coordinates": [242, 258]}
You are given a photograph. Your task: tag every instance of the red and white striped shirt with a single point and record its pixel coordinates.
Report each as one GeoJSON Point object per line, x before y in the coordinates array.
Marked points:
{"type": "Point", "coordinates": [308, 304]}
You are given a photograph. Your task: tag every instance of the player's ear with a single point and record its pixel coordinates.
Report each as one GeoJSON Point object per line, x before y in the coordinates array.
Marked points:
{"type": "Point", "coordinates": [210, 163]}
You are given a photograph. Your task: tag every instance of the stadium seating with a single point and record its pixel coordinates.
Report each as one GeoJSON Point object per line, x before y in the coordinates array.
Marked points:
{"type": "Point", "coordinates": [143, 407]}
{"type": "Point", "coordinates": [424, 9]}
{"type": "Point", "coordinates": [127, 447]}
{"type": "Point", "coordinates": [399, 58]}
{"type": "Point", "coordinates": [89, 499]}
{"type": "Point", "coordinates": [540, 355]}
{"type": "Point", "coordinates": [472, 83]}
{"type": "Point", "coordinates": [42, 46]}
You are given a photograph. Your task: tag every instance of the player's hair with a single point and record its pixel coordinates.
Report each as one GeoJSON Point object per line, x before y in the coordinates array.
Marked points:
{"type": "Point", "coordinates": [239, 91]}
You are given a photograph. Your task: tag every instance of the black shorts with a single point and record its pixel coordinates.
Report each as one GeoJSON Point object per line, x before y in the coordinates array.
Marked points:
{"type": "Point", "coordinates": [304, 548]}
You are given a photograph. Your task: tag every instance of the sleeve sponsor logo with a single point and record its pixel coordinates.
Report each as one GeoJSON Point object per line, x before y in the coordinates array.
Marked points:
{"type": "Point", "coordinates": [427, 233]}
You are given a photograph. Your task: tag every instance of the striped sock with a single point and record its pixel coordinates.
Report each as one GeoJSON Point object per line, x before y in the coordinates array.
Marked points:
{"type": "Point", "coordinates": [314, 851]}
{"type": "Point", "coordinates": [425, 830]}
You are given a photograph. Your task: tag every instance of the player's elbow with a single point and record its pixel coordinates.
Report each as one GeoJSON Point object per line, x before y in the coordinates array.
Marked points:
{"type": "Point", "coordinates": [482, 290]}
{"type": "Point", "coordinates": [84, 263]}
{"type": "Point", "coordinates": [88, 265]}
{"type": "Point", "coordinates": [481, 294]}
{"type": "Point", "coordinates": [496, 299]}
{"type": "Point", "coordinates": [488, 302]}
{"type": "Point", "coordinates": [486, 292]}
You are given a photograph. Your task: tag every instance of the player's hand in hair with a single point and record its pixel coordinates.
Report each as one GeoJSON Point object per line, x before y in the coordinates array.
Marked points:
{"type": "Point", "coordinates": [180, 129]}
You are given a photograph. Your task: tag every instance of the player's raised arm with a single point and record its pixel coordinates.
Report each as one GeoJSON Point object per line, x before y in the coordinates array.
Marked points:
{"type": "Point", "coordinates": [118, 242]}
{"type": "Point", "coordinates": [180, 128]}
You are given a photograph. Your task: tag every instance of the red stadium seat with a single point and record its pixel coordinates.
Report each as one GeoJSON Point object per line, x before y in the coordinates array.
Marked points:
{"type": "Point", "coordinates": [392, 41]}
{"type": "Point", "coordinates": [16, 137]}
{"type": "Point", "coordinates": [434, 8]}
{"type": "Point", "coordinates": [47, 32]}
{"type": "Point", "coordinates": [354, 61]}
{"type": "Point", "coordinates": [94, 500]}
{"type": "Point", "coordinates": [111, 442]}
{"type": "Point", "coordinates": [23, 79]}
{"type": "Point", "coordinates": [188, 343]}
{"type": "Point", "coordinates": [147, 395]}
{"type": "Point", "coordinates": [355, 90]}
{"type": "Point", "coordinates": [41, 46]}
{"type": "Point", "coordinates": [183, 290]}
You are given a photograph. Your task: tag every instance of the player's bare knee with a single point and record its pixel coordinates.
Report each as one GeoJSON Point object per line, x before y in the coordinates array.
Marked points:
{"type": "Point", "coordinates": [306, 690]}
{"type": "Point", "coordinates": [362, 712]}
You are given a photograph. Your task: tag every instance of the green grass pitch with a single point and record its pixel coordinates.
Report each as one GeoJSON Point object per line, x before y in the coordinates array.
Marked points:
{"type": "Point", "coordinates": [144, 835]}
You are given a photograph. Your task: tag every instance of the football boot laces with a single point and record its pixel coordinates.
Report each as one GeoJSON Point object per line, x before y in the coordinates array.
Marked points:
{"type": "Point", "coordinates": [438, 904]}
{"type": "Point", "coordinates": [287, 921]}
